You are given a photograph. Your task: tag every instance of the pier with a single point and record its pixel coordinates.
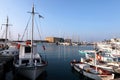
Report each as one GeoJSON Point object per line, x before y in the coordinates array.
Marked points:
{"type": "Point", "coordinates": [6, 64]}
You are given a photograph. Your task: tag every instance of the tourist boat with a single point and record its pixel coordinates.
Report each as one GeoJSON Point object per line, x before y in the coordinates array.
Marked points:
{"type": "Point", "coordinates": [30, 63]}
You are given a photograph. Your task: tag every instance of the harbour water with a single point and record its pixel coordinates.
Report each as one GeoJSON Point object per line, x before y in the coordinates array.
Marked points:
{"type": "Point", "coordinates": [58, 58]}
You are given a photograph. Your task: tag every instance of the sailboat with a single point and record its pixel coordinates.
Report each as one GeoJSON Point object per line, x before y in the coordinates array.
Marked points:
{"type": "Point", "coordinates": [8, 48]}
{"type": "Point", "coordinates": [30, 64]}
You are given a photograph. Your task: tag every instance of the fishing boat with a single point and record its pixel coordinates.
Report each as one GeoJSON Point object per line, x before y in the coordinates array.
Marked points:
{"type": "Point", "coordinates": [29, 63]}
{"type": "Point", "coordinates": [84, 60]}
{"type": "Point", "coordinates": [92, 70]}
{"type": "Point", "coordinates": [105, 60]}
{"type": "Point", "coordinates": [96, 73]}
{"type": "Point", "coordinates": [78, 65]}
{"type": "Point", "coordinates": [113, 67]}
{"type": "Point", "coordinates": [109, 62]}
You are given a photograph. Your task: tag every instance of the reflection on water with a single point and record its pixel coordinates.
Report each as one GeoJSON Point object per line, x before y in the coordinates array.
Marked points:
{"type": "Point", "coordinates": [58, 58]}
{"type": "Point", "coordinates": [80, 76]}
{"type": "Point", "coordinates": [41, 77]}
{"type": "Point", "coordinates": [117, 76]}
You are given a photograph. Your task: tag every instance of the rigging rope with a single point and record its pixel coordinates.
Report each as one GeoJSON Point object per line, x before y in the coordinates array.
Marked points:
{"type": "Point", "coordinates": [3, 34]}
{"type": "Point", "coordinates": [26, 28]}
{"type": "Point", "coordinates": [10, 34]}
{"type": "Point", "coordinates": [38, 29]}
{"type": "Point", "coordinates": [1, 31]}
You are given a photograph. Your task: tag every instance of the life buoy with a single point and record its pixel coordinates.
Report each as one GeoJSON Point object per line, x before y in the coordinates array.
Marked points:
{"type": "Point", "coordinates": [98, 57]}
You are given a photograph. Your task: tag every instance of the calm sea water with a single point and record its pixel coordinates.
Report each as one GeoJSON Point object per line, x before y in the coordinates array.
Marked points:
{"type": "Point", "coordinates": [58, 58]}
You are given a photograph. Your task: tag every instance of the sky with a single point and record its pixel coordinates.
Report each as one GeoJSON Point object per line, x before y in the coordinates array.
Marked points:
{"type": "Point", "coordinates": [83, 20]}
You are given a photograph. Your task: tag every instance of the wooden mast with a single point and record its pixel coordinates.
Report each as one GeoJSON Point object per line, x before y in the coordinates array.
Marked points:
{"type": "Point", "coordinates": [32, 33]}
{"type": "Point", "coordinates": [6, 32]}
{"type": "Point", "coordinates": [33, 13]}
{"type": "Point", "coordinates": [7, 24]}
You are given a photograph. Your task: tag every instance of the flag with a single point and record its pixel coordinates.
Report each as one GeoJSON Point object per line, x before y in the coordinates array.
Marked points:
{"type": "Point", "coordinates": [40, 16]}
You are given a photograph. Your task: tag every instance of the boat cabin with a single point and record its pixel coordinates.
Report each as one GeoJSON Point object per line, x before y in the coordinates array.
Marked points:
{"type": "Point", "coordinates": [25, 54]}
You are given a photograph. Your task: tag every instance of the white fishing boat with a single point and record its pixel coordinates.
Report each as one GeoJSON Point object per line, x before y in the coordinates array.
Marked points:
{"type": "Point", "coordinates": [109, 62]}
{"type": "Point", "coordinates": [96, 73]}
{"type": "Point", "coordinates": [113, 66]}
{"type": "Point", "coordinates": [30, 63]}
{"type": "Point", "coordinates": [105, 60]}
{"type": "Point", "coordinates": [78, 65]}
{"type": "Point", "coordinates": [92, 70]}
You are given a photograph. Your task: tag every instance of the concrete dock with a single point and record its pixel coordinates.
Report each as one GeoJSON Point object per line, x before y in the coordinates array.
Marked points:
{"type": "Point", "coordinates": [6, 64]}
{"type": "Point", "coordinates": [1, 70]}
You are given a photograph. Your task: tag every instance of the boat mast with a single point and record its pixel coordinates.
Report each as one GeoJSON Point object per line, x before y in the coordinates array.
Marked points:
{"type": "Point", "coordinates": [6, 30]}
{"type": "Point", "coordinates": [33, 14]}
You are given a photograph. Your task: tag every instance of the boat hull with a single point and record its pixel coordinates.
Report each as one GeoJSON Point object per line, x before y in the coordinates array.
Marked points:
{"type": "Point", "coordinates": [116, 69]}
{"type": "Point", "coordinates": [98, 77]}
{"type": "Point", "coordinates": [78, 66]}
{"type": "Point", "coordinates": [30, 72]}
